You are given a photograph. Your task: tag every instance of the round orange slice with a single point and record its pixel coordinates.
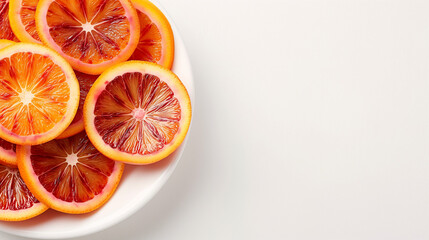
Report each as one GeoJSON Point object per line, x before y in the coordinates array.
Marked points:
{"type": "Point", "coordinates": [91, 35]}
{"type": "Point", "coordinates": [22, 21]}
{"type": "Point", "coordinates": [69, 175]}
{"type": "Point", "coordinates": [156, 42]}
{"type": "Point", "coordinates": [17, 203]}
{"type": "Point", "coordinates": [39, 94]}
{"type": "Point", "coordinates": [137, 112]}
{"type": "Point", "coordinates": [76, 126]}
{"type": "Point", "coordinates": [5, 29]}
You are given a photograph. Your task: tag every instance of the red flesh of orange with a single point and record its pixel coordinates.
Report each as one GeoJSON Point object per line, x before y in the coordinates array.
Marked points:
{"type": "Point", "coordinates": [77, 182]}
{"type": "Point", "coordinates": [109, 35]}
{"type": "Point", "coordinates": [150, 44]}
{"type": "Point", "coordinates": [7, 145]}
{"type": "Point", "coordinates": [5, 30]}
{"type": "Point", "coordinates": [137, 113]}
{"type": "Point", "coordinates": [85, 83]}
{"type": "Point", "coordinates": [14, 194]}
{"type": "Point", "coordinates": [28, 11]}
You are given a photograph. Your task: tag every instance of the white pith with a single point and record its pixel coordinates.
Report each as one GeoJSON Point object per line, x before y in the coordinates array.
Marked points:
{"type": "Point", "coordinates": [26, 97]}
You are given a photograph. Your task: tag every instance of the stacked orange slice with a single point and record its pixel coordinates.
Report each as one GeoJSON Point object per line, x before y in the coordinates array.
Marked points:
{"type": "Point", "coordinates": [88, 88]}
{"type": "Point", "coordinates": [39, 94]}
{"type": "Point", "coordinates": [156, 36]}
{"type": "Point", "coordinates": [137, 112]}
{"type": "Point", "coordinates": [91, 35]}
{"type": "Point", "coordinates": [21, 17]}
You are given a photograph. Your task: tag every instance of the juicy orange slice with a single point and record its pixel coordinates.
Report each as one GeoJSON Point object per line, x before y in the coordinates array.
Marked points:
{"type": "Point", "coordinates": [69, 175]}
{"type": "Point", "coordinates": [22, 22]}
{"type": "Point", "coordinates": [5, 29]}
{"type": "Point", "coordinates": [91, 35]}
{"type": "Point", "coordinates": [17, 203]}
{"type": "Point", "coordinates": [76, 126]}
{"type": "Point", "coordinates": [39, 94]}
{"type": "Point", "coordinates": [137, 112]}
{"type": "Point", "coordinates": [156, 42]}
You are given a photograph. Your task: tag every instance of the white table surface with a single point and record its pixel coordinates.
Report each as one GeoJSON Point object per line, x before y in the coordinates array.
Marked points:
{"type": "Point", "coordinates": [311, 122]}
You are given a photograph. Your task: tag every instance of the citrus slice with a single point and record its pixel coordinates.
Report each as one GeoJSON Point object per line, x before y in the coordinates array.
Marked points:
{"type": "Point", "coordinates": [137, 112]}
{"type": "Point", "coordinates": [156, 42]}
{"type": "Point", "coordinates": [22, 22]}
{"type": "Point", "coordinates": [39, 94]}
{"type": "Point", "coordinates": [91, 35]}
{"type": "Point", "coordinates": [69, 175]}
{"type": "Point", "coordinates": [5, 29]}
{"type": "Point", "coordinates": [17, 203]}
{"type": "Point", "coordinates": [76, 126]}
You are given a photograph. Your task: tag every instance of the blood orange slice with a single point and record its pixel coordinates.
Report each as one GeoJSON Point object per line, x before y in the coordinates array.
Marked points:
{"type": "Point", "coordinates": [137, 112]}
{"type": "Point", "coordinates": [91, 35]}
{"type": "Point", "coordinates": [16, 201]}
{"type": "Point", "coordinates": [5, 29]}
{"type": "Point", "coordinates": [156, 42]}
{"type": "Point", "coordinates": [69, 175]}
{"type": "Point", "coordinates": [76, 126]}
{"type": "Point", "coordinates": [22, 22]}
{"type": "Point", "coordinates": [39, 94]}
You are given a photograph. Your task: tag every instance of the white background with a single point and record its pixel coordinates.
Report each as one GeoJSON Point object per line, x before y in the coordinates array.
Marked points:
{"type": "Point", "coordinates": [311, 122]}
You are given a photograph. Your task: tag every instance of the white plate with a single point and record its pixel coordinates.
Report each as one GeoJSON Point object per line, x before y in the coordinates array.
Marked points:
{"type": "Point", "coordinates": [138, 185]}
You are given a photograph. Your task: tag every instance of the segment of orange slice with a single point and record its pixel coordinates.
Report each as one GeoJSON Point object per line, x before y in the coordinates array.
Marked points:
{"type": "Point", "coordinates": [7, 153]}
{"type": "Point", "coordinates": [17, 203]}
{"type": "Point", "coordinates": [137, 112]}
{"type": "Point", "coordinates": [39, 94]}
{"type": "Point", "coordinates": [7, 149]}
{"type": "Point", "coordinates": [4, 43]}
{"type": "Point", "coordinates": [22, 22]}
{"type": "Point", "coordinates": [76, 126]}
{"type": "Point", "coordinates": [5, 29]}
{"type": "Point", "coordinates": [91, 35]}
{"type": "Point", "coordinates": [156, 42]}
{"type": "Point", "coordinates": [69, 175]}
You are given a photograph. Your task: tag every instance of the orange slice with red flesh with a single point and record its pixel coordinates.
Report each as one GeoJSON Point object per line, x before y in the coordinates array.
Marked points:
{"type": "Point", "coordinates": [156, 42]}
{"type": "Point", "coordinates": [22, 20]}
{"type": "Point", "coordinates": [69, 175]}
{"type": "Point", "coordinates": [90, 35]}
{"type": "Point", "coordinates": [137, 112]}
{"type": "Point", "coordinates": [39, 94]}
{"type": "Point", "coordinates": [77, 126]}
{"type": "Point", "coordinates": [17, 203]}
{"type": "Point", "coordinates": [5, 29]}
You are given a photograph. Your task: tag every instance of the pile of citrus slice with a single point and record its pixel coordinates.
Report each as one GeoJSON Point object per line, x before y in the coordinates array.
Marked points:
{"type": "Point", "coordinates": [87, 90]}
